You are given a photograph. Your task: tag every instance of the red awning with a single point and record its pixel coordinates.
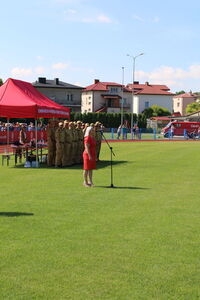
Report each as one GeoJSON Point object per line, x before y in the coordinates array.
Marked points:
{"type": "Point", "coordinates": [19, 99]}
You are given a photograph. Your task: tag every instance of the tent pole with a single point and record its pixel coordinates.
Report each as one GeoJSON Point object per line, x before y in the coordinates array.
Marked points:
{"type": "Point", "coordinates": [36, 138]}
{"type": "Point", "coordinates": [7, 135]}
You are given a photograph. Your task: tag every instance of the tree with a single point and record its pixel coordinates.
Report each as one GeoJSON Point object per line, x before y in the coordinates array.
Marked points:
{"type": "Point", "coordinates": [192, 107]}
{"type": "Point", "coordinates": [142, 121]}
{"type": "Point", "coordinates": [180, 92]}
{"type": "Point", "coordinates": [1, 82]}
{"type": "Point", "coordinates": [148, 112]}
{"type": "Point", "coordinates": [159, 111]}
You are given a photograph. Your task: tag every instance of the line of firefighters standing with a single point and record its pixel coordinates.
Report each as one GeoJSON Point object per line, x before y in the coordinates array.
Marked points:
{"type": "Point", "coordinates": [66, 142]}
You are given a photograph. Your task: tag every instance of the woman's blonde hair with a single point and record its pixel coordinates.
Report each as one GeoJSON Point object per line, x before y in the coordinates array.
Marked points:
{"type": "Point", "coordinates": [87, 131]}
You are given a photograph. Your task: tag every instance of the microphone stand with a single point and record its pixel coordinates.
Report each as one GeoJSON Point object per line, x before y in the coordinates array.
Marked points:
{"type": "Point", "coordinates": [111, 161]}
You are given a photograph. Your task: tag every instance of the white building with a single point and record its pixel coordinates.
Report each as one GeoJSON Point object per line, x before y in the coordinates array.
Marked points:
{"type": "Point", "coordinates": [146, 95]}
{"type": "Point", "coordinates": [105, 97]}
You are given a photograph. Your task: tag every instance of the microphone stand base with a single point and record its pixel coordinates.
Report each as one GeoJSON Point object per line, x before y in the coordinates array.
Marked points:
{"type": "Point", "coordinates": [111, 186]}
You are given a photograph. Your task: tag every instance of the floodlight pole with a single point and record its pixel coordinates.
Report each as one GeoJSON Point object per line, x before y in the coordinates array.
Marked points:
{"type": "Point", "coordinates": [122, 100]}
{"type": "Point", "coordinates": [134, 58]}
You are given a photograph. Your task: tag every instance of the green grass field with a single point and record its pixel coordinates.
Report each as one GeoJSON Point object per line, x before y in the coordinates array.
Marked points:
{"type": "Point", "coordinates": [140, 240]}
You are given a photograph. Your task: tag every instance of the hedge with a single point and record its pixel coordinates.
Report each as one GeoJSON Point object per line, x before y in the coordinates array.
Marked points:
{"type": "Point", "coordinates": [109, 120]}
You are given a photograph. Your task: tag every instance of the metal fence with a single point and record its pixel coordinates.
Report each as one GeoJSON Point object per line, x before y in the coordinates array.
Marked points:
{"type": "Point", "coordinates": [143, 134]}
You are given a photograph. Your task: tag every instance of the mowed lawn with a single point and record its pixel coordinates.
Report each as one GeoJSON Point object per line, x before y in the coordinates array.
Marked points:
{"type": "Point", "coordinates": [140, 240]}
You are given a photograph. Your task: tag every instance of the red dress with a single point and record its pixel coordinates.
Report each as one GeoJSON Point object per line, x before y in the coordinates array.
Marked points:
{"type": "Point", "coordinates": [89, 164]}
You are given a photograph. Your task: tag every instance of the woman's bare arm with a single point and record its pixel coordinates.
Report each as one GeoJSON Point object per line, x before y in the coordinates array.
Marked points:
{"type": "Point", "coordinates": [87, 148]}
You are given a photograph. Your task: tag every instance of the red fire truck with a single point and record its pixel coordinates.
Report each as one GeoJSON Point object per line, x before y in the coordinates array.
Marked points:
{"type": "Point", "coordinates": [181, 128]}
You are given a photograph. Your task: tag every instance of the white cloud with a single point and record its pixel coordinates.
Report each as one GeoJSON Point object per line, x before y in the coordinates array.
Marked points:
{"type": "Point", "coordinates": [97, 19]}
{"type": "Point", "coordinates": [21, 72]}
{"type": "Point", "coordinates": [103, 19]}
{"type": "Point", "coordinates": [138, 18]}
{"type": "Point", "coordinates": [71, 11]}
{"type": "Point", "coordinates": [60, 66]}
{"type": "Point", "coordinates": [39, 70]}
{"type": "Point", "coordinates": [149, 20]}
{"type": "Point", "coordinates": [194, 71]}
{"type": "Point", "coordinates": [72, 15]}
{"type": "Point", "coordinates": [167, 72]}
{"type": "Point", "coordinates": [39, 57]}
{"type": "Point", "coordinates": [174, 77]}
{"type": "Point", "coordinates": [78, 83]}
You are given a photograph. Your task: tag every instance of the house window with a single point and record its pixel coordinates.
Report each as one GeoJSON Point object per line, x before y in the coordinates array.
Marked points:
{"type": "Point", "coordinates": [146, 104]}
{"type": "Point", "coordinates": [71, 97]}
{"type": "Point", "coordinates": [113, 90]}
{"type": "Point", "coordinates": [67, 97]}
{"type": "Point", "coordinates": [89, 103]}
{"type": "Point", "coordinates": [178, 104]}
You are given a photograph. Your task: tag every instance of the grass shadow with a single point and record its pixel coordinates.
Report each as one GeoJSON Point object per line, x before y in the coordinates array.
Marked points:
{"type": "Point", "coordinates": [100, 165]}
{"type": "Point", "coordinates": [14, 214]}
{"type": "Point", "coordinates": [123, 187]}
{"type": "Point", "coordinates": [105, 163]}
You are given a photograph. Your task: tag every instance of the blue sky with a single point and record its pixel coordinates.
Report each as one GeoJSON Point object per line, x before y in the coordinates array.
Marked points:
{"type": "Point", "coordinates": [80, 40]}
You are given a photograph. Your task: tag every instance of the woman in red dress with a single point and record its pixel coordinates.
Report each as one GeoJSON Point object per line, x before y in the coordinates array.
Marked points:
{"type": "Point", "coordinates": [89, 156]}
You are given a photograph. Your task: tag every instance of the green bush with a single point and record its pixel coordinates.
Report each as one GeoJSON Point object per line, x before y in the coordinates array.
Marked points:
{"type": "Point", "coordinates": [109, 120]}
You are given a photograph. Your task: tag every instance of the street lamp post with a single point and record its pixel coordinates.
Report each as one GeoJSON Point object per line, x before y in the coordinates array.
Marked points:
{"type": "Point", "coordinates": [122, 100]}
{"type": "Point", "coordinates": [134, 58]}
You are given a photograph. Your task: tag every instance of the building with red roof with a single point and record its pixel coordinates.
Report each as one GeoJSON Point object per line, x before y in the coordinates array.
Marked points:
{"type": "Point", "coordinates": [107, 97]}
{"type": "Point", "coordinates": [146, 95]}
{"type": "Point", "coordinates": [181, 101]}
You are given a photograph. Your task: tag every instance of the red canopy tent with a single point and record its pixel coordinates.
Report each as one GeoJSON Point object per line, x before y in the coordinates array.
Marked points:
{"type": "Point", "coordinates": [19, 99]}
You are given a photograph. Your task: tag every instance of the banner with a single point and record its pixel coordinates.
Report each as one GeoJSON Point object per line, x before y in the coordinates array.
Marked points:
{"type": "Point", "coordinates": [14, 136]}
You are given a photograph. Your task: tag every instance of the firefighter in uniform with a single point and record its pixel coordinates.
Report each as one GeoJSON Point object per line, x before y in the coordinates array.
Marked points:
{"type": "Point", "coordinates": [98, 138]}
{"type": "Point", "coordinates": [75, 141]}
{"type": "Point", "coordinates": [80, 148]}
{"type": "Point", "coordinates": [72, 154]}
{"type": "Point", "coordinates": [51, 143]}
{"type": "Point", "coordinates": [67, 145]}
{"type": "Point", "coordinates": [60, 138]}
